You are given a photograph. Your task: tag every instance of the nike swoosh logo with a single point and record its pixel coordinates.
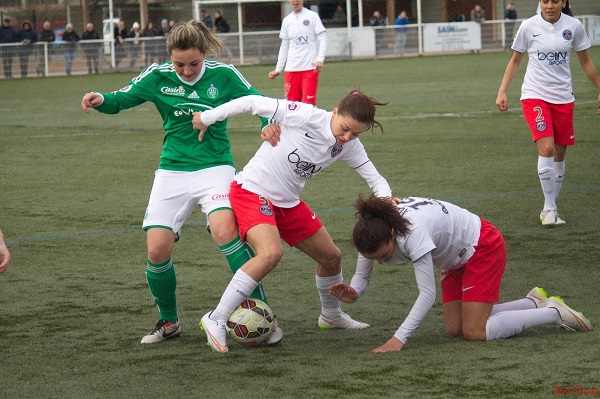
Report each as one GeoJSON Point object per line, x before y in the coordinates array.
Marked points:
{"type": "Point", "coordinates": [534, 35]}
{"type": "Point", "coordinates": [167, 335]}
{"type": "Point", "coordinates": [309, 97]}
{"type": "Point", "coordinates": [217, 345]}
{"type": "Point", "coordinates": [313, 216]}
{"type": "Point", "coordinates": [467, 288]}
{"type": "Point", "coordinates": [309, 136]}
{"type": "Point", "coordinates": [572, 137]}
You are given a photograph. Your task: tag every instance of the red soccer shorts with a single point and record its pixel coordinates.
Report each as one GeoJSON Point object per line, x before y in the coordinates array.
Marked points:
{"type": "Point", "coordinates": [250, 209]}
{"type": "Point", "coordinates": [301, 86]}
{"type": "Point", "coordinates": [479, 279]}
{"type": "Point", "coordinates": [549, 120]}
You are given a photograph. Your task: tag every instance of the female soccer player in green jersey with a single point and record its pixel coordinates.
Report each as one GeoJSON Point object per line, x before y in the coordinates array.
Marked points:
{"type": "Point", "coordinates": [190, 173]}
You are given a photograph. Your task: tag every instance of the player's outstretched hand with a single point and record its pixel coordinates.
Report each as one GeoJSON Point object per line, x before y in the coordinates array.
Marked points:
{"type": "Point", "coordinates": [343, 292]}
{"type": "Point", "coordinates": [393, 345]}
{"type": "Point", "coordinates": [271, 133]}
{"type": "Point", "coordinates": [273, 74]}
{"type": "Point", "coordinates": [90, 100]}
{"type": "Point", "coordinates": [198, 125]}
{"type": "Point", "coordinates": [502, 102]}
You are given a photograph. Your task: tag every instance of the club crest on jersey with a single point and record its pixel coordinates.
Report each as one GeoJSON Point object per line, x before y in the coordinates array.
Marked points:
{"type": "Point", "coordinates": [567, 34]}
{"type": "Point", "coordinates": [541, 126]}
{"type": "Point", "coordinates": [306, 22]}
{"type": "Point", "coordinates": [125, 89]}
{"type": "Point", "coordinates": [292, 106]}
{"type": "Point", "coordinates": [335, 151]}
{"type": "Point", "coordinates": [212, 91]}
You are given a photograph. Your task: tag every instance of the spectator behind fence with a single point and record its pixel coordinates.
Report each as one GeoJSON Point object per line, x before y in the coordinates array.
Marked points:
{"type": "Point", "coordinates": [400, 33]}
{"type": "Point", "coordinates": [46, 35]}
{"type": "Point", "coordinates": [7, 35]}
{"type": "Point", "coordinates": [161, 51]}
{"type": "Point", "coordinates": [120, 36]}
{"type": "Point", "coordinates": [510, 15]}
{"type": "Point", "coordinates": [221, 25]}
{"type": "Point", "coordinates": [478, 14]}
{"type": "Point", "coordinates": [149, 45]}
{"type": "Point", "coordinates": [339, 15]}
{"type": "Point", "coordinates": [26, 36]}
{"type": "Point", "coordinates": [377, 20]}
{"type": "Point", "coordinates": [206, 19]}
{"type": "Point", "coordinates": [91, 50]}
{"type": "Point", "coordinates": [70, 37]}
{"type": "Point", "coordinates": [135, 45]}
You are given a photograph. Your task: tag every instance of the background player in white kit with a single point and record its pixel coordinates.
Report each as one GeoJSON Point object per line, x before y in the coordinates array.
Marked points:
{"type": "Point", "coordinates": [472, 256]}
{"type": "Point", "coordinates": [301, 33]}
{"type": "Point", "coordinates": [265, 196]}
{"type": "Point", "coordinates": [547, 97]}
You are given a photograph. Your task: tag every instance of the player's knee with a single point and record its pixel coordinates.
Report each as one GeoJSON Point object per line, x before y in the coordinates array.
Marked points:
{"type": "Point", "coordinates": [158, 255]}
{"type": "Point", "coordinates": [454, 331]}
{"type": "Point", "coordinates": [224, 233]}
{"type": "Point", "coordinates": [474, 334]}
{"type": "Point", "coordinates": [270, 258]}
{"type": "Point", "coordinates": [332, 261]}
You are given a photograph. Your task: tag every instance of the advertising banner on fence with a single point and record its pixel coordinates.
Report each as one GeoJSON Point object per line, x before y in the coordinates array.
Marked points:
{"type": "Point", "coordinates": [457, 36]}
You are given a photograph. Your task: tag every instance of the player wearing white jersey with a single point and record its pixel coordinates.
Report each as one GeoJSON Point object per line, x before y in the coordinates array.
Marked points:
{"type": "Point", "coordinates": [190, 174]}
{"type": "Point", "coordinates": [302, 52]}
{"type": "Point", "coordinates": [471, 255]}
{"type": "Point", "coordinates": [265, 196]}
{"type": "Point", "coordinates": [547, 99]}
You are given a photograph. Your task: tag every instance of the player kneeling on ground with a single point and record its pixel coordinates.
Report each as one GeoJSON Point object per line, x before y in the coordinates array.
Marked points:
{"type": "Point", "coordinates": [472, 256]}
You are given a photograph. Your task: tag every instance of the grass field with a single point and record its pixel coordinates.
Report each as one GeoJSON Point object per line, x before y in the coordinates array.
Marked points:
{"type": "Point", "coordinates": [74, 303]}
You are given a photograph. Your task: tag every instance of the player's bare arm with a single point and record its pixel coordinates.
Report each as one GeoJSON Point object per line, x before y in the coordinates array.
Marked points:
{"type": "Point", "coordinates": [590, 70]}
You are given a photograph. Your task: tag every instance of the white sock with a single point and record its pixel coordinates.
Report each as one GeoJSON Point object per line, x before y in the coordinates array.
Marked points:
{"type": "Point", "coordinates": [559, 174]}
{"type": "Point", "coordinates": [547, 179]}
{"type": "Point", "coordinates": [507, 324]}
{"type": "Point", "coordinates": [330, 305]}
{"type": "Point", "coordinates": [239, 288]}
{"type": "Point", "coordinates": [519, 304]}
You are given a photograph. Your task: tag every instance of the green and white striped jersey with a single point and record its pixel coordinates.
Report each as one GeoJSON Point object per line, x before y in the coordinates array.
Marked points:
{"type": "Point", "coordinates": [175, 100]}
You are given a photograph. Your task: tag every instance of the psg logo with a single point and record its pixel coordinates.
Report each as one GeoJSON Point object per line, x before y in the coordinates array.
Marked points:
{"type": "Point", "coordinates": [541, 126]}
{"type": "Point", "coordinates": [266, 210]}
{"type": "Point", "coordinates": [567, 34]}
{"type": "Point", "coordinates": [336, 150]}
{"type": "Point", "coordinates": [305, 22]}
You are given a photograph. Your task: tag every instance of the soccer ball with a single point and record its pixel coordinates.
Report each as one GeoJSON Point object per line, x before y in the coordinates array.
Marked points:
{"type": "Point", "coordinates": [251, 323]}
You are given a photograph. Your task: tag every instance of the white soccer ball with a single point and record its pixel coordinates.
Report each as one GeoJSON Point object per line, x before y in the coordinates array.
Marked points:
{"type": "Point", "coordinates": [251, 323]}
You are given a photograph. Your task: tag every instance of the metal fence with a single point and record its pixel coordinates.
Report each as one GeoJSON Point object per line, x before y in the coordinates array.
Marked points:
{"type": "Point", "coordinates": [98, 56]}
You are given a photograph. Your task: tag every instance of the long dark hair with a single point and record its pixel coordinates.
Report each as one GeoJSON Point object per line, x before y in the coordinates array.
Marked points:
{"type": "Point", "coordinates": [376, 218]}
{"type": "Point", "coordinates": [567, 9]}
{"type": "Point", "coordinates": [360, 107]}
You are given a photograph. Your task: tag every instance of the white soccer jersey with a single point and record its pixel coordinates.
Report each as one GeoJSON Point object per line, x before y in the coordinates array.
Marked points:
{"type": "Point", "coordinates": [299, 35]}
{"type": "Point", "coordinates": [548, 75]}
{"type": "Point", "coordinates": [307, 146]}
{"type": "Point", "coordinates": [441, 235]}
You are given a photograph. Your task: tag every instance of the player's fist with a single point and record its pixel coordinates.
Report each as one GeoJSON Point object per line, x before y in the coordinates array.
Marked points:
{"type": "Point", "coordinates": [273, 74]}
{"type": "Point", "coordinates": [198, 125]}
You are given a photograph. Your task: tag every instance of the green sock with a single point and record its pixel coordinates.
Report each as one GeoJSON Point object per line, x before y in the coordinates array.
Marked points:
{"type": "Point", "coordinates": [237, 254]}
{"type": "Point", "coordinates": [162, 283]}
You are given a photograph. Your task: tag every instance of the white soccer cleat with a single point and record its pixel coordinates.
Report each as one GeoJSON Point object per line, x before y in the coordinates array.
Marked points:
{"type": "Point", "coordinates": [539, 296]}
{"type": "Point", "coordinates": [549, 218]}
{"type": "Point", "coordinates": [163, 330]}
{"type": "Point", "coordinates": [216, 333]}
{"type": "Point", "coordinates": [343, 321]}
{"type": "Point", "coordinates": [558, 219]}
{"type": "Point", "coordinates": [276, 335]}
{"type": "Point", "coordinates": [570, 319]}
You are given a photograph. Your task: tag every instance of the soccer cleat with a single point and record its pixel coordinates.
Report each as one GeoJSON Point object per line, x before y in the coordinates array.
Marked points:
{"type": "Point", "coordinates": [549, 217]}
{"type": "Point", "coordinates": [342, 321]}
{"type": "Point", "coordinates": [558, 219]}
{"type": "Point", "coordinates": [216, 333]}
{"type": "Point", "coordinates": [571, 319]}
{"type": "Point", "coordinates": [539, 296]}
{"type": "Point", "coordinates": [276, 335]}
{"type": "Point", "coordinates": [163, 330]}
